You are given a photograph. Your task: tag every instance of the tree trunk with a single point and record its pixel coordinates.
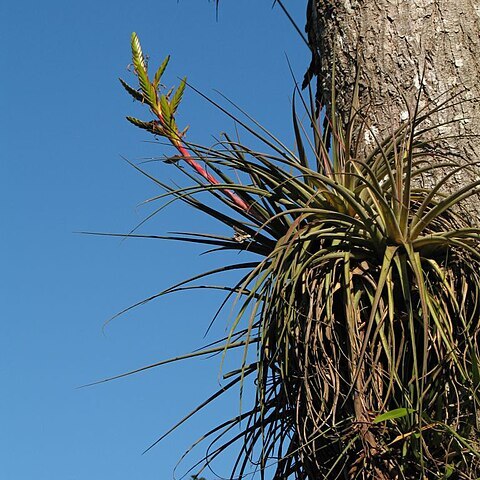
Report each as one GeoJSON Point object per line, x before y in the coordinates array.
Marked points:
{"type": "Point", "coordinates": [394, 44]}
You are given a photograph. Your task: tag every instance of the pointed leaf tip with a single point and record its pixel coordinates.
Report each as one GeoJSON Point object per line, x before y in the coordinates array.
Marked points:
{"type": "Point", "coordinates": [392, 414]}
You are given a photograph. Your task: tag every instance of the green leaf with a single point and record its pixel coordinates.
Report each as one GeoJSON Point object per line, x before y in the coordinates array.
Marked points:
{"type": "Point", "coordinates": [449, 470]}
{"type": "Point", "coordinates": [302, 156]}
{"type": "Point", "coordinates": [392, 414]}
{"type": "Point", "coordinates": [452, 200]}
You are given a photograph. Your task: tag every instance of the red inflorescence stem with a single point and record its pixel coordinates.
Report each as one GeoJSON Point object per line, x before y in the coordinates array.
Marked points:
{"type": "Point", "coordinates": [210, 178]}
{"type": "Point", "coordinates": [174, 139]}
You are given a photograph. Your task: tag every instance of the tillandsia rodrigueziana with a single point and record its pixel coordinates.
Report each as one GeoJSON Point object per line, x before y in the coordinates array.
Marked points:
{"type": "Point", "coordinates": [365, 301]}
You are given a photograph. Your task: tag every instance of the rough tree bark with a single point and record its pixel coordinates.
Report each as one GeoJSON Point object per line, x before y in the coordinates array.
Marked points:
{"type": "Point", "coordinates": [395, 42]}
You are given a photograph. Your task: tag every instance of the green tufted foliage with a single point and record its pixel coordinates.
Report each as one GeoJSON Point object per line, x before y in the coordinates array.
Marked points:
{"type": "Point", "coordinates": [358, 317]}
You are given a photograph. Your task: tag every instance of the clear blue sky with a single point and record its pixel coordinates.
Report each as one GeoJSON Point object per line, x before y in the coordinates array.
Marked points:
{"type": "Point", "coordinates": [62, 134]}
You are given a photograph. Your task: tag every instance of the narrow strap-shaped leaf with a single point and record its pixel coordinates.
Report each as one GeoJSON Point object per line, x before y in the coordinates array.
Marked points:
{"type": "Point", "coordinates": [198, 353]}
{"type": "Point", "coordinates": [431, 194]}
{"type": "Point", "coordinates": [393, 414]}
{"type": "Point", "coordinates": [302, 156]}
{"type": "Point", "coordinates": [444, 205]}
{"type": "Point", "coordinates": [209, 400]}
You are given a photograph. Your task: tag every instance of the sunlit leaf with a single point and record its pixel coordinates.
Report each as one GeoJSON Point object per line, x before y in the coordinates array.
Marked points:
{"type": "Point", "coordinates": [393, 414]}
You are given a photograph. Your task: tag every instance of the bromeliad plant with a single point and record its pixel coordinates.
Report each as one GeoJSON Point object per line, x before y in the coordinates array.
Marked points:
{"type": "Point", "coordinates": [362, 307]}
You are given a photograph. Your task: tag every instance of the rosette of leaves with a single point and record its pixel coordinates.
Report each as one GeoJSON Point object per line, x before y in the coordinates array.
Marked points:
{"type": "Point", "coordinates": [361, 305]}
